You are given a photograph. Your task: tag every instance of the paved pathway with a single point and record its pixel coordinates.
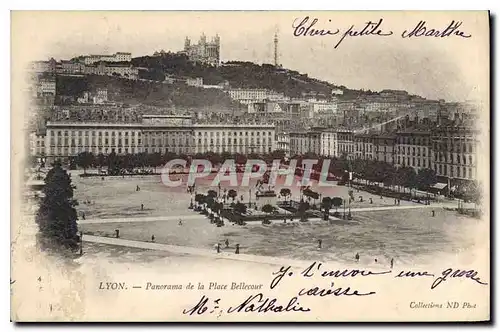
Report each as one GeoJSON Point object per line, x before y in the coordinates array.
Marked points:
{"type": "Point", "coordinates": [141, 219]}
{"type": "Point", "coordinates": [200, 216]}
{"type": "Point", "coordinates": [400, 207]}
{"type": "Point", "coordinates": [196, 251]}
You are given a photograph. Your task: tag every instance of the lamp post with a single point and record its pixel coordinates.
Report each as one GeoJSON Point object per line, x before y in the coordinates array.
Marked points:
{"type": "Point", "coordinates": [249, 196]}
{"type": "Point", "coordinates": [81, 243]}
{"type": "Point", "coordinates": [343, 206]}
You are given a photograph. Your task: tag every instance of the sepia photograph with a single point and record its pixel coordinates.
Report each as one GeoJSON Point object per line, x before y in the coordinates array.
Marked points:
{"type": "Point", "coordinates": [250, 166]}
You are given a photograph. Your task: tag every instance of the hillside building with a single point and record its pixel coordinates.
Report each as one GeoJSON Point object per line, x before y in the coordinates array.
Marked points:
{"type": "Point", "coordinates": [204, 52]}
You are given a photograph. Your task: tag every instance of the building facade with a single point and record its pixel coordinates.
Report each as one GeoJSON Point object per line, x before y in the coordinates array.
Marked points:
{"type": "Point", "coordinates": [363, 146]}
{"type": "Point", "coordinates": [413, 149]}
{"type": "Point", "coordinates": [283, 142]}
{"type": "Point", "coordinates": [345, 144]}
{"type": "Point", "coordinates": [117, 57]}
{"type": "Point", "coordinates": [384, 148]}
{"type": "Point", "coordinates": [205, 52]}
{"type": "Point", "coordinates": [454, 153]}
{"type": "Point", "coordinates": [156, 133]}
{"type": "Point", "coordinates": [234, 138]}
{"type": "Point", "coordinates": [45, 87]}
{"type": "Point", "coordinates": [299, 143]}
{"type": "Point", "coordinates": [123, 70]}
{"type": "Point", "coordinates": [322, 142]}
{"type": "Point", "coordinates": [68, 139]}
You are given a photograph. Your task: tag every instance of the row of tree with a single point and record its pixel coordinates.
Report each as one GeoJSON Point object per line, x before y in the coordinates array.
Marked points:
{"type": "Point", "coordinates": [116, 162]}
{"type": "Point", "coordinates": [370, 171]}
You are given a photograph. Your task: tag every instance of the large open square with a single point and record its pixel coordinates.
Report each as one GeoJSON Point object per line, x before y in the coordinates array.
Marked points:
{"type": "Point", "coordinates": [410, 235]}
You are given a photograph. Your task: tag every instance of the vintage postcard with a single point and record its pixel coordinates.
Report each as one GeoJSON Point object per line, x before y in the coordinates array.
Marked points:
{"type": "Point", "coordinates": [250, 166]}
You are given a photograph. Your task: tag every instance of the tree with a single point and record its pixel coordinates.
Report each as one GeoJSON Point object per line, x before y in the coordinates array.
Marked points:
{"type": "Point", "coordinates": [232, 194]}
{"type": "Point", "coordinates": [240, 208]}
{"type": "Point", "coordinates": [406, 177]}
{"type": "Point", "coordinates": [309, 193]}
{"type": "Point", "coordinates": [199, 199]}
{"type": "Point", "coordinates": [85, 159]}
{"type": "Point", "coordinates": [326, 204]}
{"type": "Point", "coordinates": [101, 160]}
{"type": "Point", "coordinates": [225, 156]}
{"type": "Point", "coordinates": [56, 217]}
{"type": "Point", "coordinates": [169, 156]}
{"type": "Point", "coordinates": [113, 164]}
{"type": "Point", "coordinates": [268, 208]}
{"type": "Point", "coordinates": [303, 207]}
{"type": "Point", "coordinates": [240, 159]}
{"type": "Point", "coordinates": [128, 162]}
{"type": "Point", "coordinates": [285, 192]}
{"type": "Point", "coordinates": [155, 160]}
{"type": "Point", "coordinates": [426, 177]}
{"type": "Point", "coordinates": [142, 159]}
{"type": "Point", "coordinates": [337, 202]}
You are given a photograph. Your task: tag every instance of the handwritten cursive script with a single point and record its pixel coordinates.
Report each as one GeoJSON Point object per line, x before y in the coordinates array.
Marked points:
{"type": "Point", "coordinates": [260, 303]}
{"type": "Point", "coordinates": [307, 27]}
{"type": "Point", "coordinates": [422, 30]}
{"type": "Point", "coordinates": [457, 273]}
{"type": "Point", "coordinates": [304, 27]}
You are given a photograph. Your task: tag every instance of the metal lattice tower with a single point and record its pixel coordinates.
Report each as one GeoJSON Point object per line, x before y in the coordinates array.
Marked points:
{"type": "Point", "coordinates": [276, 64]}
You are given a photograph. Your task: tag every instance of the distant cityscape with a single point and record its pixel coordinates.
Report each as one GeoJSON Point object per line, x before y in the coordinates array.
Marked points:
{"type": "Point", "coordinates": [389, 126]}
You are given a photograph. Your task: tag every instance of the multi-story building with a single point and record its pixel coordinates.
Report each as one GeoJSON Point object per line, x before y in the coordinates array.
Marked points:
{"type": "Point", "coordinates": [454, 152]}
{"type": "Point", "coordinates": [413, 148]}
{"type": "Point", "coordinates": [46, 87]}
{"type": "Point", "coordinates": [384, 148]}
{"type": "Point", "coordinates": [234, 138]}
{"type": "Point", "coordinates": [124, 70]}
{"type": "Point", "coordinates": [345, 143]}
{"type": "Point", "coordinates": [328, 108]}
{"type": "Point", "coordinates": [299, 143]}
{"type": "Point", "coordinates": [67, 139]}
{"type": "Point", "coordinates": [101, 96]}
{"type": "Point", "coordinates": [248, 94]}
{"type": "Point", "coordinates": [205, 52]}
{"type": "Point", "coordinates": [363, 146]}
{"type": "Point", "coordinates": [44, 66]}
{"type": "Point", "coordinates": [292, 109]}
{"type": "Point", "coordinates": [167, 133]}
{"type": "Point", "coordinates": [156, 133]}
{"type": "Point", "coordinates": [71, 68]}
{"type": "Point", "coordinates": [320, 141]}
{"type": "Point", "coordinates": [283, 142]}
{"type": "Point", "coordinates": [196, 82]}
{"type": "Point", "coordinates": [37, 144]}
{"type": "Point", "coordinates": [329, 143]}
{"type": "Point", "coordinates": [117, 57]}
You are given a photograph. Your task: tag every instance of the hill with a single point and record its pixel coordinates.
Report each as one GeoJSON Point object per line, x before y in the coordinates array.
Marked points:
{"type": "Point", "coordinates": [146, 92]}
{"type": "Point", "coordinates": [238, 74]}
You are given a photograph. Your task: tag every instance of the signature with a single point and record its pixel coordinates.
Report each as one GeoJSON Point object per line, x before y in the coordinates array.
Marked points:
{"type": "Point", "coordinates": [307, 27]}
{"type": "Point", "coordinates": [253, 303]}
{"type": "Point", "coordinates": [260, 303]}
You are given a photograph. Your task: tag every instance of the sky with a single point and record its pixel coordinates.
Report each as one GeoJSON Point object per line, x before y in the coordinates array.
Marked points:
{"type": "Point", "coordinates": [451, 68]}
